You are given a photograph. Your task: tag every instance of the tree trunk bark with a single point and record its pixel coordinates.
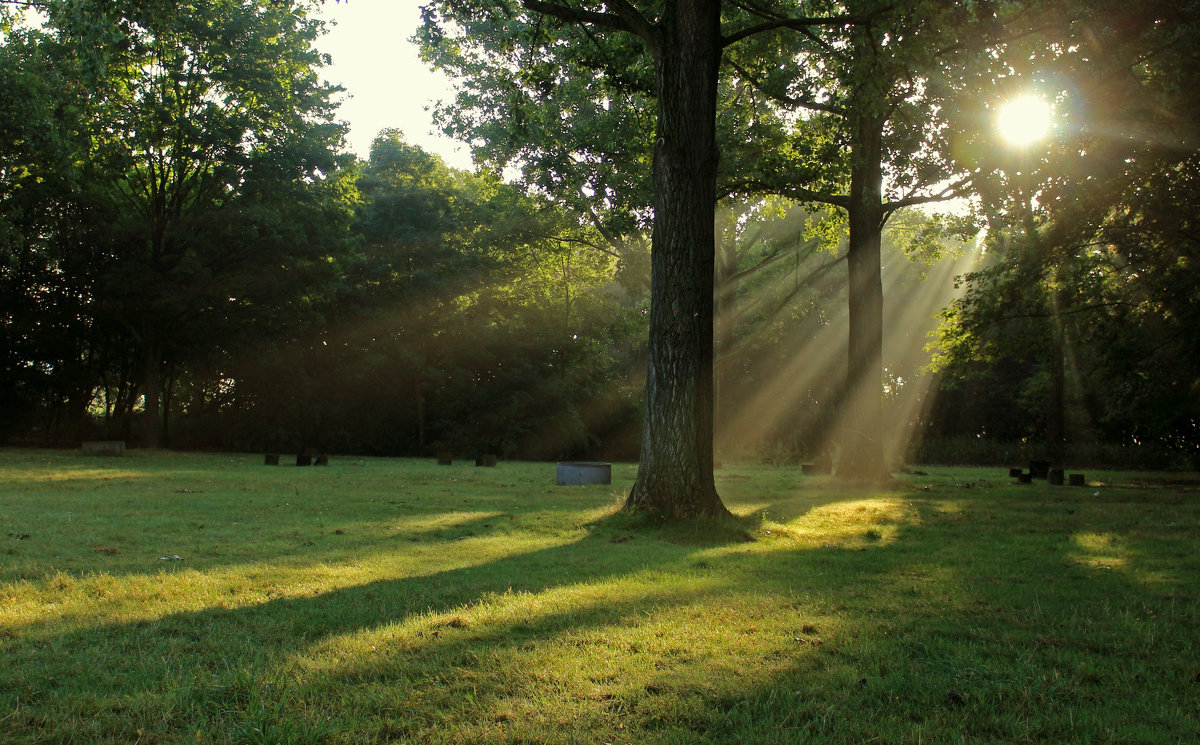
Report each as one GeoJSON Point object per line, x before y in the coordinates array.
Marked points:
{"type": "Point", "coordinates": [861, 454]}
{"type": "Point", "coordinates": [675, 472]}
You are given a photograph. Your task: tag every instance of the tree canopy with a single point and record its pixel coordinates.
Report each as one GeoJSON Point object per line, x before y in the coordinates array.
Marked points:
{"type": "Point", "coordinates": [693, 228]}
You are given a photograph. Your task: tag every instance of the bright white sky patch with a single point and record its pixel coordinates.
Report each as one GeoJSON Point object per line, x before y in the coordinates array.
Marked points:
{"type": "Point", "coordinates": [386, 83]}
{"type": "Point", "coordinates": [1023, 120]}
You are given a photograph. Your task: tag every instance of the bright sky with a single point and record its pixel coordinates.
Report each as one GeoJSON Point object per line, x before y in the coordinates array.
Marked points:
{"type": "Point", "coordinates": [386, 84]}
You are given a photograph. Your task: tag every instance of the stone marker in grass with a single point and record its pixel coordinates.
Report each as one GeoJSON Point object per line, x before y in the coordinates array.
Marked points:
{"type": "Point", "coordinates": [104, 447]}
{"type": "Point", "coordinates": [582, 473]}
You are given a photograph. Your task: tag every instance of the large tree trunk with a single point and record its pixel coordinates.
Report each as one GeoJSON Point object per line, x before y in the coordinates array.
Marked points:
{"type": "Point", "coordinates": [675, 473]}
{"type": "Point", "coordinates": [861, 454]}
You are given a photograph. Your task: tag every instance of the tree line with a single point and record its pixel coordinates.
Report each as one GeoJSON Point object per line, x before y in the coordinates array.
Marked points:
{"type": "Point", "coordinates": [713, 200]}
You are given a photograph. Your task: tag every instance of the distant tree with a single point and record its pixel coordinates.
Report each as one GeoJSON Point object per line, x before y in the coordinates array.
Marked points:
{"type": "Point", "coordinates": [48, 233]}
{"type": "Point", "coordinates": [419, 220]}
{"type": "Point", "coordinates": [1091, 234]}
{"type": "Point", "coordinates": [199, 139]}
{"type": "Point", "coordinates": [469, 316]}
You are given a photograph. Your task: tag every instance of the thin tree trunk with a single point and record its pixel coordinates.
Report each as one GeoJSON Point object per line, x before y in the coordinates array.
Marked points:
{"type": "Point", "coordinates": [419, 392]}
{"type": "Point", "coordinates": [168, 396]}
{"type": "Point", "coordinates": [152, 390]}
{"type": "Point", "coordinates": [1056, 419]}
{"type": "Point", "coordinates": [675, 472]}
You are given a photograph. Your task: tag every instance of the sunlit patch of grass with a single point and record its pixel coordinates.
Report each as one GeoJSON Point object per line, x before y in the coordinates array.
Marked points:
{"type": "Point", "coordinates": [1099, 551]}
{"type": "Point", "coordinates": [397, 601]}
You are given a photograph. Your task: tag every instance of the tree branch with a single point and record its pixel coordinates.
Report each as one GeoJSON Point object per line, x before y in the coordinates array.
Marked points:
{"type": "Point", "coordinates": [956, 189]}
{"type": "Point", "coordinates": [580, 241]}
{"type": "Point", "coordinates": [575, 15]}
{"type": "Point", "coordinates": [806, 283]}
{"type": "Point", "coordinates": [614, 239]}
{"type": "Point", "coordinates": [803, 103]}
{"type": "Point", "coordinates": [638, 23]}
{"type": "Point", "coordinates": [796, 24]}
{"type": "Point", "coordinates": [751, 242]}
{"type": "Point", "coordinates": [798, 193]}
{"type": "Point", "coordinates": [1071, 312]}
{"type": "Point", "coordinates": [775, 256]}
{"type": "Point", "coordinates": [626, 18]}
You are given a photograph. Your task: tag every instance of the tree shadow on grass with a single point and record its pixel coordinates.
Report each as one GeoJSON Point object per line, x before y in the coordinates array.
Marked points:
{"type": "Point", "coordinates": [85, 672]}
{"type": "Point", "coordinates": [992, 623]}
{"type": "Point", "coordinates": [117, 527]}
{"type": "Point", "coordinates": [978, 616]}
{"type": "Point", "coordinates": [112, 662]}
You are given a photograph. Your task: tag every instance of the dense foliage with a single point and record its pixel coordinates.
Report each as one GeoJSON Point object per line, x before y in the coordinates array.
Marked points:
{"type": "Point", "coordinates": [1081, 335]}
{"type": "Point", "coordinates": [188, 257]}
{"type": "Point", "coordinates": [180, 231]}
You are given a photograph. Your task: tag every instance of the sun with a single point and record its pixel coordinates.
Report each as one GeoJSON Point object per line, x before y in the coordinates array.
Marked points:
{"type": "Point", "coordinates": [1024, 120]}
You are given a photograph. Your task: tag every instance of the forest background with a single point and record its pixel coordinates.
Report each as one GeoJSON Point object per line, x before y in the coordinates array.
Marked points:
{"type": "Point", "coordinates": [190, 257]}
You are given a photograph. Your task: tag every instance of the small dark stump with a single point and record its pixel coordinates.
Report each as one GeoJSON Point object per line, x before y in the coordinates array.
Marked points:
{"type": "Point", "coordinates": [322, 460]}
{"type": "Point", "coordinates": [1014, 473]}
{"type": "Point", "coordinates": [304, 459]}
{"type": "Point", "coordinates": [271, 459]}
{"type": "Point", "coordinates": [486, 461]}
{"type": "Point", "coordinates": [1039, 469]}
{"type": "Point", "coordinates": [1055, 476]}
{"type": "Point", "coordinates": [1025, 478]}
{"type": "Point", "coordinates": [1076, 479]}
{"type": "Point", "coordinates": [445, 459]}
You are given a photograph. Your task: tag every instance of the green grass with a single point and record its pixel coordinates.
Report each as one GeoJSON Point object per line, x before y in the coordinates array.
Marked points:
{"type": "Point", "coordinates": [398, 601]}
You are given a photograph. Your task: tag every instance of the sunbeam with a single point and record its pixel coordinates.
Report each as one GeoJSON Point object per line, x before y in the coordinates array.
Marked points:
{"type": "Point", "coordinates": [911, 320]}
{"type": "Point", "coordinates": [795, 410]}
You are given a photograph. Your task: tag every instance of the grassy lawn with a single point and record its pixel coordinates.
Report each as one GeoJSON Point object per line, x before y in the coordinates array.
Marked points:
{"type": "Point", "coordinates": [398, 601]}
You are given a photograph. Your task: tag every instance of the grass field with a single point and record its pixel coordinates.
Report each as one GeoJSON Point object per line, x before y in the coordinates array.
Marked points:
{"type": "Point", "coordinates": [171, 598]}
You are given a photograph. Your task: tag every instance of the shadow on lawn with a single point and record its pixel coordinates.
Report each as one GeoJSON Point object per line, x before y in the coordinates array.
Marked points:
{"type": "Point", "coordinates": [300, 517]}
{"type": "Point", "coordinates": [107, 665]}
{"type": "Point", "coordinates": [87, 534]}
{"type": "Point", "coordinates": [976, 618]}
{"type": "Point", "coordinates": [1028, 639]}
